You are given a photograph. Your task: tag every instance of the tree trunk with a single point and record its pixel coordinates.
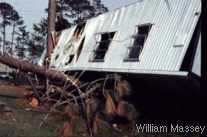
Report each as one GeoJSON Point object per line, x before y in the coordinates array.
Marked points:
{"type": "Point", "coordinates": [51, 26]}
{"type": "Point", "coordinates": [4, 38]}
{"type": "Point", "coordinates": [26, 66]}
{"type": "Point", "coordinates": [12, 46]}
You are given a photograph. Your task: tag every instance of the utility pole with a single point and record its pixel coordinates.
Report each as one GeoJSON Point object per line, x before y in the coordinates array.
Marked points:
{"type": "Point", "coordinates": [51, 29]}
{"type": "Point", "coordinates": [4, 36]}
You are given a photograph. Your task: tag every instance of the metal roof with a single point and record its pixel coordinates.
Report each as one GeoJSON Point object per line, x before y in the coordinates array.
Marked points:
{"type": "Point", "coordinates": [174, 22]}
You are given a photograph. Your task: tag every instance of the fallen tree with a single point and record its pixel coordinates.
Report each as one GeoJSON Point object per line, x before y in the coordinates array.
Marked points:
{"type": "Point", "coordinates": [99, 103]}
{"type": "Point", "coordinates": [26, 66]}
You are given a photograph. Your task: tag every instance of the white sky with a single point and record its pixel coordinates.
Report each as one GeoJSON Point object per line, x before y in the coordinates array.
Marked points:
{"type": "Point", "coordinates": [33, 10]}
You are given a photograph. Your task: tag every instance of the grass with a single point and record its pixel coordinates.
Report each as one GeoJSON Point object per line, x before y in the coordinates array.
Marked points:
{"type": "Point", "coordinates": [27, 123]}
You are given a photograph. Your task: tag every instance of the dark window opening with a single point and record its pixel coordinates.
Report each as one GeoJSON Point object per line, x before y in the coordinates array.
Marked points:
{"type": "Point", "coordinates": [70, 59]}
{"type": "Point", "coordinates": [103, 46]}
{"type": "Point", "coordinates": [57, 56]}
{"type": "Point", "coordinates": [143, 29]}
{"type": "Point", "coordinates": [187, 63]}
{"type": "Point", "coordinates": [139, 41]}
{"type": "Point", "coordinates": [57, 38]}
{"type": "Point", "coordinates": [80, 48]}
{"type": "Point", "coordinates": [79, 30]}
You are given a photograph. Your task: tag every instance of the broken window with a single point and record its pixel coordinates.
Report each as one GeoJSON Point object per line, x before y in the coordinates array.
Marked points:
{"type": "Point", "coordinates": [57, 56]}
{"type": "Point", "coordinates": [70, 59]}
{"type": "Point", "coordinates": [79, 30]}
{"type": "Point", "coordinates": [103, 46]}
{"type": "Point", "coordinates": [57, 37]}
{"type": "Point", "coordinates": [139, 40]}
{"type": "Point", "coordinates": [80, 48]}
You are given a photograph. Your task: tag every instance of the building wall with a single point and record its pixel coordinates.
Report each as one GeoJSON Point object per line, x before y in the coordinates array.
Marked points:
{"type": "Point", "coordinates": [173, 22]}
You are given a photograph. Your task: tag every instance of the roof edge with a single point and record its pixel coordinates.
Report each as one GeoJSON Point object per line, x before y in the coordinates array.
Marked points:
{"type": "Point", "coordinates": [129, 71]}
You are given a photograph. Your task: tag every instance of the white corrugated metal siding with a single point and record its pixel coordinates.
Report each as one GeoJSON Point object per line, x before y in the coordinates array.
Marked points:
{"type": "Point", "coordinates": [173, 22]}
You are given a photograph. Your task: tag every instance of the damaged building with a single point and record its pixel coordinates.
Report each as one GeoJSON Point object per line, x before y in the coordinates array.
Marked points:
{"type": "Point", "coordinates": [148, 37]}
{"type": "Point", "coordinates": [156, 42]}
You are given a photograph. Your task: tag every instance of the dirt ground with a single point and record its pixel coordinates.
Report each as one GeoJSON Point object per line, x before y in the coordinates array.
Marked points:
{"type": "Point", "coordinates": [19, 121]}
{"type": "Point", "coordinates": [23, 121]}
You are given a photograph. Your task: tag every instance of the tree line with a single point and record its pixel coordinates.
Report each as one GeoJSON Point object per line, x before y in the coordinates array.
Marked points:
{"type": "Point", "coordinates": [29, 44]}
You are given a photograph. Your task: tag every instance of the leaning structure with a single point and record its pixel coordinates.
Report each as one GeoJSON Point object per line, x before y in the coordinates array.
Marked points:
{"type": "Point", "coordinates": [148, 37]}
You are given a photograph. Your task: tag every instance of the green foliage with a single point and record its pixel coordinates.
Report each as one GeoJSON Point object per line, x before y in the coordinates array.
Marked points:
{"type": "Point", "coordinates": [6, 13]}
{"type": "Point", "coordinates": [69, 12]}
{"type": "Point", "coordinates": [38, 38]}
{"type": "Point", "coordinates": [79, 10]}
{"type": "Point", "coordinates": [9, 17]}
{"type": "Point", "coordinates": [41, 28]}
{"type": "Point", "coordinates": [22, 41]}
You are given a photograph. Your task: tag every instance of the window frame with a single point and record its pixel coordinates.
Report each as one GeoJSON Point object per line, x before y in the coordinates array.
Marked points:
{"type": "Point", "coordinates": [98, 44]}
{"type": "Point", "coordinates": [134, 45]}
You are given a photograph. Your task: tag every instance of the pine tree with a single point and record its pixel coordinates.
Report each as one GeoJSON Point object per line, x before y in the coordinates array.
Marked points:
{"type": "Point", "coordinates": [79, 10]}
{"type": "Point", "coordinates": [22, 41]}
{"type": "Point", "coordinates": [38, 39]}
{"type": "Point", "coordinates": [9, 17]}
{"type": "Point", "coordinates": [5, 14]}
{"type": "Point", "coordinates": [69, 12]}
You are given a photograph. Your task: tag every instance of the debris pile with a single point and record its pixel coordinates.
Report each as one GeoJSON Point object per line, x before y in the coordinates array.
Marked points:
{"type": "Point", "coordinates": [95, 106]}
{"type": "Point", "coordinates": [102, 102]}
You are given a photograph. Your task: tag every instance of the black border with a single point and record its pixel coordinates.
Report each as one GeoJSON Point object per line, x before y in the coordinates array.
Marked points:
{"type": "Point", "coordinates": [203, 62]}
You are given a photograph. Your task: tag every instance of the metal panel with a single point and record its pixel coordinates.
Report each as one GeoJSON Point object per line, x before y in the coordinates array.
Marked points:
{"type": "Point", "coordinates": [173, 22]}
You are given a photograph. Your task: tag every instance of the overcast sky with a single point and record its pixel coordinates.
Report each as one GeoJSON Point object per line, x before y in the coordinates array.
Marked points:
{"type": "Point", "coordinates": [33, 10]}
